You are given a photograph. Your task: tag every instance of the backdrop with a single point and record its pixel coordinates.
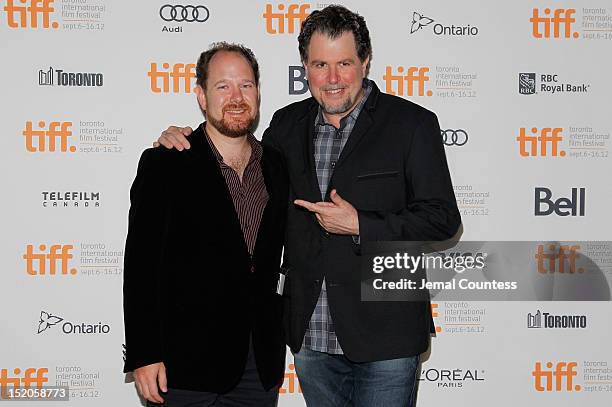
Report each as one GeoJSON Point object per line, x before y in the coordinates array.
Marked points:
{"type": "Point", "coordinates": [522, 91]}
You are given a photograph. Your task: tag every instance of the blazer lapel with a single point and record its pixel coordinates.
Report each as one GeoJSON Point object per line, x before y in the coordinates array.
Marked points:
{"type": "Point", "coordinates": [363, 124]}
{"type": "Point", "coordinates": [307, 147]}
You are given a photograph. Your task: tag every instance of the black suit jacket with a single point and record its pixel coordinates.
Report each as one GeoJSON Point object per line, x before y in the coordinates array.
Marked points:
{"type": "Point", "coordinates": [190, 299]}
{"type": "Point", "coordinates": [393, 170]}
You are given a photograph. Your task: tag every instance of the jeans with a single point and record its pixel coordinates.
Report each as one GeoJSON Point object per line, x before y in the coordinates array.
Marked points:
{"type": "Point", "coordinates": [334, 381]}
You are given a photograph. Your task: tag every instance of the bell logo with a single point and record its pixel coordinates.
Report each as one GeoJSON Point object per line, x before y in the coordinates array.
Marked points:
{"type": "Point", "coordinates": [545, 137]}
{"type": "Point", "coordinates": [562, 18]}
{"type": "Point", "coordinates": [47, 260]}
{"type": "Point", "coordinates": [291, 379]}
{"type": "Point", "coordinates": [43, 139]}
{"type": "Point", "coordinates": [31, 376]}
{"type": "Point", "coordinates": [31, 15]}
{"type": "Point", "coordinates": [298, 84]}
{"type": "Point", "coordinates": [296, 13]}
{"type": "Point", "coordinates": [573, 206]}
{"type": "Point", "coordinates": [555, 261]}
{"type": "Point", "coordinates": [180, 74]}
{"type": "Point", "coordinates": [394, 83]}
{"type": "Point", "coordinates": [562, 372]}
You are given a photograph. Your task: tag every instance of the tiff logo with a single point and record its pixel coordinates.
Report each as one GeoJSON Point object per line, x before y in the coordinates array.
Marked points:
{"type": "Point", "coordinates": [45, 139]}
{"type": "Point", "coordinates": [547, 136]}
{"type": "Point", "coordinates": [31, 376]}
{"type": "Point", "coordinates": [181, 74]}
{"type": "Point", "coordinates": [296, 13]}
{"type": "Point", "coordinates": [415, 78]}
{"type": "Point", "coordinates": [550, 379]}
{"type": "Point", "coordinates": [48, 259]}
{"type": "Point", "coordinates": [435, 314]}
{"type": "Point", "coordinates": [289, 384]}
{"type": "Point", "coordinates": [556, 260]}
{"type": "Point", "coordinates": [561, 19]}
{"type": "Point", "coordinates": [29, 14]}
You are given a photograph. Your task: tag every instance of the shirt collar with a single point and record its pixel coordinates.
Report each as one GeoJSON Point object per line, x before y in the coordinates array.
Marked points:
{"type": "Point", "coordinates": [256, 149]}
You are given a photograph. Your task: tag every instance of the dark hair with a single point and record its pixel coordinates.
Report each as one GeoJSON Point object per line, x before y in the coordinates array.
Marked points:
{"type": "Point", "coordinates": [334, 21]}
{"type": "Point", "coordinates": [206, 56]}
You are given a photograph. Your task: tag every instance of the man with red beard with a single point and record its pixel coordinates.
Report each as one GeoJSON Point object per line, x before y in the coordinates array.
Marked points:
{"type": "Point", "coordinates": [206, 228]}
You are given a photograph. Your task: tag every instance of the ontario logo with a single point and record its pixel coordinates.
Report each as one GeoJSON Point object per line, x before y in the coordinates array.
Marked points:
{"type": "Point", "coordinates": [47, 321]}
{"type": "Point", "coordinates": [421, 21]}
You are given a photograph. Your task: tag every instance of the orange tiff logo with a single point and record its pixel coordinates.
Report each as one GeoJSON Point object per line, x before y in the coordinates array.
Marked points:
{"type": "Point", "coordinates": [275, 21]}
{"type": "Point", "coordinates": [49, 259]}
{"type": "Point", "coordinates": [561, 22]}
{"type": "Point", "coordinates": [45, 139]}
{"type": "Point", "coordinates": [434, 314]}
{"type": "Point", "coordinates": [545, 137]}
{"type": "Point", "coordinates": [181, 74]}
{"type": "Point", "coordinates": [291, 379]}
{"type": "Point", "coordinates": [415, 78]}
{"type": "Point", "coordinates": [31, 376]}
{"type": "Point", "coordinates": [559, 259]}
{"type": "Point", "coordinates": [556, 375]}
{"type": "Point", "coordinates": [29, 14]}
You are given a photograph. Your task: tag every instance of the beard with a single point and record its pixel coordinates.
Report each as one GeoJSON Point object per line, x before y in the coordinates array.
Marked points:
{"type": "Point", "coordinates": [338, 108]}
{"type": "Point", "coordinates": [235, 127]}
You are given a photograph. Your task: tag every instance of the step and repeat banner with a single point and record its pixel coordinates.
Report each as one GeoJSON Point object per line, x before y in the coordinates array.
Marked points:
{"type": "Point", "coordinates": [522, 90]}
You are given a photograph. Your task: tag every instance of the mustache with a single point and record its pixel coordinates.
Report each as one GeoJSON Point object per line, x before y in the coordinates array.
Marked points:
{"type": "Point", "coordinates": [236, 106]}
{"type": "Point", "coordinates": [333, 87]}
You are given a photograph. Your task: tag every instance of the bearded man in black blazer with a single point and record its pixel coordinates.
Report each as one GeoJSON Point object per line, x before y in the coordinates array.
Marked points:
{"type": "Point", "coordinates": [363, 167]}
{"type": "Point", "coordinates": [206, 228]}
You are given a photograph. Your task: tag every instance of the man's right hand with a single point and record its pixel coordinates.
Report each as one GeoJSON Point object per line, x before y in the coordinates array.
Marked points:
{"type": "Point", "coordinates": [147, 379]}
{"type": "Point", "coordinates": [174, 137]}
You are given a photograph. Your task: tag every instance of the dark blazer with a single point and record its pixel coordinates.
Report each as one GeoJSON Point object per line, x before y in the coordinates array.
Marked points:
{"type": "Point", "coordinates": [190, 299]}
{"type": "Point", "coordinates": [393, 170]}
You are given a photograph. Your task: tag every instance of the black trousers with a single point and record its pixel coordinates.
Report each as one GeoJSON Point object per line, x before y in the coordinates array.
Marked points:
{"type": "Point", "coordinates": [248, 392]}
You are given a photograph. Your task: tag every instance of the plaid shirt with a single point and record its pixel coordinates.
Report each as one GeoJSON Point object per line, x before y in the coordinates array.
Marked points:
{"type": "Point", "coordinates": [328, 144]}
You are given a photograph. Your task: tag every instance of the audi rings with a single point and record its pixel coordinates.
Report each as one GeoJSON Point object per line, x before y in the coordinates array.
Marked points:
{"type": "Point", "coordinates": [454, 137]}
{"type": "Point", "coordinates": [187, 14]}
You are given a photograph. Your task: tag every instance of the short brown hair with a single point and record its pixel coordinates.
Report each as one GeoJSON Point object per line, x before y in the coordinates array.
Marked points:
{"type": "Point", "coordinates": [206, 56]}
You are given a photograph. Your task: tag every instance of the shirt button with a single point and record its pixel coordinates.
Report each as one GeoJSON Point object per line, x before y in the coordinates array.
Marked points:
{"type": "Point", "coordinates": [333, 164]}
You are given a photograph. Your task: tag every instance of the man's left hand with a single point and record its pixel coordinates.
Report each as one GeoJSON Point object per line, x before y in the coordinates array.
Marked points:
{"type": "Point", "coordinates": [338, 216]}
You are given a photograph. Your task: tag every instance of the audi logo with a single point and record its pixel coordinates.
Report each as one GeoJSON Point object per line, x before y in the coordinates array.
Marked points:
{"type": "Point", "coordinates": [187, 14]}
{"type": "Point", "coordinates": [454, 137]}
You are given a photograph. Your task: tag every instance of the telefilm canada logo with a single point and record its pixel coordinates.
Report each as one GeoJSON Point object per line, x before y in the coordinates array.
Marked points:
{"type": "Point", "coordinates": [70, 199]}
{"type": "Point", "coordinates": [48, 321]}
{"type": "Point", "coordinates": [531, 83]}
{"type": "Point", "coordinates": [546, 320]}
{"type": "Point", "coordinates": [422, 22]}
{"type": "Point", "coordinates": [60, 77]}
